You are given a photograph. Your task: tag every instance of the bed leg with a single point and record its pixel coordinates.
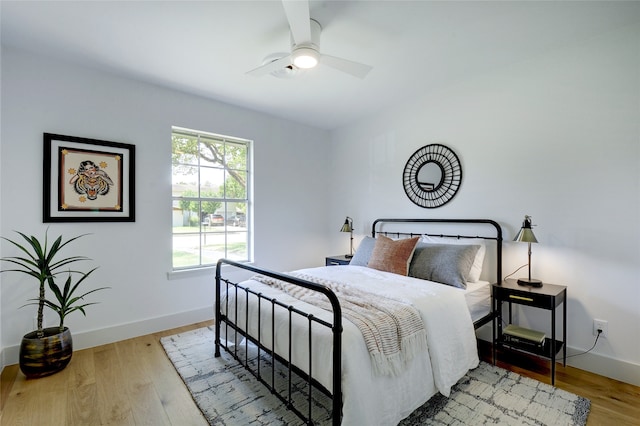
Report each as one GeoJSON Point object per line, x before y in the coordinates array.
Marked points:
{"type": "Point", "coordinates": [217, 316]}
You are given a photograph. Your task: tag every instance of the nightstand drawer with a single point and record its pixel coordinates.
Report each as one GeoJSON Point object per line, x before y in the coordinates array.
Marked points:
{"type": "Point", "coordinates": [537, 300]}
{"type": "Point", "coordinates": [547, 297]}
{"type": "Point", "coordinates": [337, 260]}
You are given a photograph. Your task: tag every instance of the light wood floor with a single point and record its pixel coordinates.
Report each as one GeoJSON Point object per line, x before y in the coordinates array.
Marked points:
{"type": "Point", "coordinates": [132, 382]}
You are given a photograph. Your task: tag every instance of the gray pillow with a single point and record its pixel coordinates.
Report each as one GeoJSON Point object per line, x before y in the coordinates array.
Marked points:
{"type": "Point", "coordinates": [363, 253]}
{"type": "Point", "coordinates": [444, 263]}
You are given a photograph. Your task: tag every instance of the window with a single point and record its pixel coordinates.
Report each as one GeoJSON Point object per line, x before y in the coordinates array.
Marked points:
{"type": "Point", "coordinates": [211, 196]}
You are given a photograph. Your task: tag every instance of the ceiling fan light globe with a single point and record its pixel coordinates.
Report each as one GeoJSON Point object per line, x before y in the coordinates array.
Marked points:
{"type": "Point", "coordinates": [305, 57]}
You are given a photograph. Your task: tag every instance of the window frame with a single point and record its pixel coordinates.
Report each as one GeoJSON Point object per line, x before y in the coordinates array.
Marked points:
{"type": "Point", "coordinates": [202, 230]}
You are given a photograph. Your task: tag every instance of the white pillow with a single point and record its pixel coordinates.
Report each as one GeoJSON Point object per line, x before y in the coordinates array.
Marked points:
{"type": "Point", "coordinates": [476, 268]}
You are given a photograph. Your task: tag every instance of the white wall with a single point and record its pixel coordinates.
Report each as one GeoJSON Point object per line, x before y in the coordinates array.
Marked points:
{"type": "Point", "coordinates": [556, 137]}
{"type": "Point", "coordinates": [41, 95]}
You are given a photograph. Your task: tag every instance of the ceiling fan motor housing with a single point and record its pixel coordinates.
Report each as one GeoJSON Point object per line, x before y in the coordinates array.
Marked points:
{"type": "Point", "coordinates": [307, 53]}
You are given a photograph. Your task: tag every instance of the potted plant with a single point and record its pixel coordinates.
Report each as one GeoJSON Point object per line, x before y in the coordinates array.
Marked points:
{"type": "Point", "coordinates": [48, 350]}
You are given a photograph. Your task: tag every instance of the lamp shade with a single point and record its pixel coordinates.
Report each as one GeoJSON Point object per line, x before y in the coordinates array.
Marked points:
{"type": "Point", "coordinates": [347, 226]}
{"type": "Point", "coordinates": [525, 235]}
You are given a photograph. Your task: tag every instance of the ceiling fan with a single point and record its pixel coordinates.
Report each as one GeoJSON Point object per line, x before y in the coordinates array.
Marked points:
{"type": "Point", "coordinates": [305, 46]}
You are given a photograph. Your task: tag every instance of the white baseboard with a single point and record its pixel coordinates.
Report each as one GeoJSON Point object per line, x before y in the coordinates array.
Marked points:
{"type": "Point", "coordinates": [617, 369]}
{"type": "Point", "coordinates": [624, 371]}
{"type": "Point", "coordinates": [103, 336]}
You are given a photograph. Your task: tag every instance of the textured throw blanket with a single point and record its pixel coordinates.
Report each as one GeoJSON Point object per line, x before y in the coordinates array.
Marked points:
{"type": "Point", "coordinates": [392, 328]}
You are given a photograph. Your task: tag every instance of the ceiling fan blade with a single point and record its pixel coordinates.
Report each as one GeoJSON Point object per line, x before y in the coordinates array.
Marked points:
{"type": "Point", "coordinates": [299, 19]}
{"type": "Point", "coordinates": [270, 67]}
{"type": "Point", "coordinates": [356, 69]}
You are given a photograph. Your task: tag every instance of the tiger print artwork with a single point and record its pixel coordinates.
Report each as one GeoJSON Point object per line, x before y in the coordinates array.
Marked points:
{"type": "Point", "coordinates": [90, 180]}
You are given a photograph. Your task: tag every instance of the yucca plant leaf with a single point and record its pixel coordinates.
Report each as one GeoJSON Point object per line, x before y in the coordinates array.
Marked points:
{"type": "Point", "coordinates": [66, 302]}
{"type": "Point", "coordinates": [35, 301]}
{"type": "Point", "coordinates": [55, 289]}
{"type": "Point", "coordinates": [27, 269]}
{"type": "Point", "coordinates": [58, 245]}
{"type": "Point", "coordinates": [35, 245]}
{"type": "Point", "coordinates": [63, 262]}
{"type": "Point", "coordinates": [32, 260]}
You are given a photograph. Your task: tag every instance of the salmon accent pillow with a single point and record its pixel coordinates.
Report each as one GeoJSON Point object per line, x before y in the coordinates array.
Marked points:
{"type": "Point", "coordinates": [393, 255]}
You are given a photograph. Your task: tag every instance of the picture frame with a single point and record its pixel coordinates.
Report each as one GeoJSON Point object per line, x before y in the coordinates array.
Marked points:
{"type": "Point", "coordinates": [88, 180]}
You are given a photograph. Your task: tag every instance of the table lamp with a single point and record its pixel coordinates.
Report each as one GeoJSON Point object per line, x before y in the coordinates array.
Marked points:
{"type": "Point", "coordinates": [348, 227]}
{"type": "Point", "coordinates": [526, 236]}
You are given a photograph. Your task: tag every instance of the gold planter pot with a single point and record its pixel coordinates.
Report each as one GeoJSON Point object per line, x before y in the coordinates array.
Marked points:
{"type": "Point", "coordinates": [43, 356]}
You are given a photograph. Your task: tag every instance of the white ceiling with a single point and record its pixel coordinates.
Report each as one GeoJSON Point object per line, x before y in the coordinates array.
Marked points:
{"type": "Point", "coordinates": [206, 47]}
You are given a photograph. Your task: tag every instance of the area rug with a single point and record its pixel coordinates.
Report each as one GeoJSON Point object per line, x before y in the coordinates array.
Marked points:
{"type": "Point", "coordinates": [227, 394]}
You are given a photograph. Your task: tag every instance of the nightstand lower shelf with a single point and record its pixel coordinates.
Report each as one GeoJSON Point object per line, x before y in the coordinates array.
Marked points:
{"type": "Point", "coordinates": [543, 350]}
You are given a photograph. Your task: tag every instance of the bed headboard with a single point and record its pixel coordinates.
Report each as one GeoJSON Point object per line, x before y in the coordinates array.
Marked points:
{"type": "Point", "coordinates": [485, 229]}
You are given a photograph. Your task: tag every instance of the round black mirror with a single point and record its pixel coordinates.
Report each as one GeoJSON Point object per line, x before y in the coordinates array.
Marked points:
{"type": "Point", "coordinates": [432, 176]}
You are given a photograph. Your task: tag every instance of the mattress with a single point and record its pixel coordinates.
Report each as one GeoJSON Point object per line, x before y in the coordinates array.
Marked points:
{"type": "Point", "coordinates": [478, 298]}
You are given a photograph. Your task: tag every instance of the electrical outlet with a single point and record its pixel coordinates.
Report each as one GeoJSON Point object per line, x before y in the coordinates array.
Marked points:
{"type": "Point", "coordinates": [600, 325]}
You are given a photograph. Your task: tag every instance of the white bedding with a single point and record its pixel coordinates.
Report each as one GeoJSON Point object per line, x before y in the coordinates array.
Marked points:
{"type": "Point", "coordinates": [478, 297]}
{"type": "Point", "coordinates": [368, 398]}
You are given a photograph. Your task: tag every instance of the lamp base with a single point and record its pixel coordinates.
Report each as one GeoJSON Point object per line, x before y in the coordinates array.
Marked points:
{"type": "Point", "coordinates": [531, 282]}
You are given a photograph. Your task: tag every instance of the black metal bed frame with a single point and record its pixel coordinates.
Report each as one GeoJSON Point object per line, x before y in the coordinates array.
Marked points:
{"type": "Point", "coordinates": [335, 326]}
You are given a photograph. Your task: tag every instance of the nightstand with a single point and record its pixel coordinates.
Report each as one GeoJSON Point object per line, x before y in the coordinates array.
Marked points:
{"type": "Point", "coordinates": [341, 259]}
{"type": "Point", "coordinates": [548, 297]}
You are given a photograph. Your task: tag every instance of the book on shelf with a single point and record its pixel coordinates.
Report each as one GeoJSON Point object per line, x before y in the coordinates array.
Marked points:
{"type": "Point", "coordinates": [523, 336]}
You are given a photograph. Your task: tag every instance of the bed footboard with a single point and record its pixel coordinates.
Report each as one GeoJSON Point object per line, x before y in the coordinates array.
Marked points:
{"type": "Point", "coordinates": [225, 285]}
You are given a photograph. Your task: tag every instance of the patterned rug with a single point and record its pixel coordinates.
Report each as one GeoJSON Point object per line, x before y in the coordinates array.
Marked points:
{"type": "Point", "coordinates": [227, 394]}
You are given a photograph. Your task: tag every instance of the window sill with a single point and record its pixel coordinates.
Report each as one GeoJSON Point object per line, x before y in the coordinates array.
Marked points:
{"type": "Point", "coordinates": [195, 272]}
{"type": "Point", "coordinates": [189, 273]}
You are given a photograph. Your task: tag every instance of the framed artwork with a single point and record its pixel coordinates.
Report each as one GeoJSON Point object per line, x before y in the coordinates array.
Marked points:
{"type": "Point", "coordinates": [88, 180]}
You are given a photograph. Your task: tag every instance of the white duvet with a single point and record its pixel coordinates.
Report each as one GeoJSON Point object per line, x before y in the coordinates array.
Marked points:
{"type": "Point", "coordinates": [368, 398]}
